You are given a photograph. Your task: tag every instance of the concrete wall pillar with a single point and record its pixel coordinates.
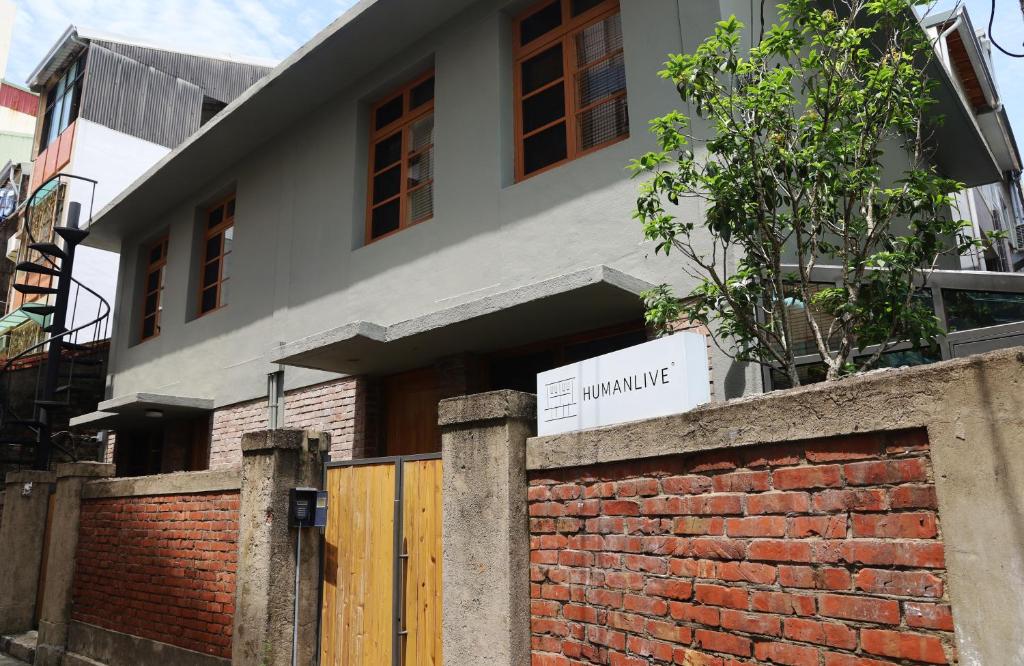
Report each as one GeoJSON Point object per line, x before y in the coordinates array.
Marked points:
{"type": "Point", "coordinates": [485, 528]}
{"type": "Point", "coordinates": [21, 547]}
{"type": "Point", "coordinates": [274, 461]}
{"type": "Point", "coordinates": [60, 566]}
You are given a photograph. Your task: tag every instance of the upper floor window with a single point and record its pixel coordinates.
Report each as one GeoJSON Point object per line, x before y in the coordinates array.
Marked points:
{"type": "Point", "coordinates": [401, 189]}
{"type": "Point", "coordinates": [62, 102]}
{"type": "Point", "coordinates": [153, 289]}
{"type": "Point", "coordinates": [215, 272]}
{"type": "Point", "coordinates": [570, 82]}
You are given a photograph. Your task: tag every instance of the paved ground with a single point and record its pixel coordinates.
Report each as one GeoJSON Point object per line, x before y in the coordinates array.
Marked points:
{"type": "Point", "coordinates": [8, 661]}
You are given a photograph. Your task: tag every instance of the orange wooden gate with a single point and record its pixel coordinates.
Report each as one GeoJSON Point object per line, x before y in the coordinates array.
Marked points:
{"type": "Point", "coordinates": [382, 567]}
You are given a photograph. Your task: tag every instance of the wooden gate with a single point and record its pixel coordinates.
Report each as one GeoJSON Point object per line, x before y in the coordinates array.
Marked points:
{"type": "Point", "coordinates": [382, 567]}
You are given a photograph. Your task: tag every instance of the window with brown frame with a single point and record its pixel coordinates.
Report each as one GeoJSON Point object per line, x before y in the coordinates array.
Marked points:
{"type": "Point", "coordinates": [153, 289]}
{"type": "Point", "coordinates": [570, 82]}
{"type": "Point", "coordinates": [401, 183]}
{"type": "Point", "coordinates": [215, 272]}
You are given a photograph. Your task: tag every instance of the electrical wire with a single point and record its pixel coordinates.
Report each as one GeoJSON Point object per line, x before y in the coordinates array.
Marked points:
{"type": "Point", "coordinates": [991, 37]}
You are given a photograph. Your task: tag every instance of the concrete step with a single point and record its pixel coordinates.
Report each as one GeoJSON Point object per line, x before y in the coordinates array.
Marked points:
{"type": "Point", "coordinates": [20, 646]}
{"type": "Point", "coordinates": [73, 659]}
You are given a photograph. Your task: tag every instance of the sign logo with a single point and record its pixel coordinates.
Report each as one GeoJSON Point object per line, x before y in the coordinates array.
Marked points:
{"type": "Point", "coordinates": [665, 376]}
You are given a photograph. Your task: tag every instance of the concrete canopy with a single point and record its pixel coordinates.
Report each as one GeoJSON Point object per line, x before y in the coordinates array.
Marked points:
{"type": "Point", "coordinates": [584, 300]}
{"type": "Point", "coordinates": [132, 410]}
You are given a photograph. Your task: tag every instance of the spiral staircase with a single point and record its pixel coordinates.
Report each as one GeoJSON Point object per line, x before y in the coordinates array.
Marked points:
{"type": "Point", "coordinates": [68, 364]}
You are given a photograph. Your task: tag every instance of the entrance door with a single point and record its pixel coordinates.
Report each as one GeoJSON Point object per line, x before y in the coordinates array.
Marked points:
{"type": "Point", "coordinates": [382, 569]}
{"type": "Point", "coordinates": [410, 406]}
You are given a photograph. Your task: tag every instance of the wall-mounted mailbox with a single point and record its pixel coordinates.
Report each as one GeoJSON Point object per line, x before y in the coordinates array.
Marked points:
{"type": "Point", "coordinates": [307, 507]}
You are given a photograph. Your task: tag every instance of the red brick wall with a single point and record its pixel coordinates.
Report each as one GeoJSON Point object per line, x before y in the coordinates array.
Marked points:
{"type": "Point", "coordinates": [821, 553]}
{"type": "Point", "coordinates": [160, 567]}
{"type": "Point", "coordinates": [333, 407]}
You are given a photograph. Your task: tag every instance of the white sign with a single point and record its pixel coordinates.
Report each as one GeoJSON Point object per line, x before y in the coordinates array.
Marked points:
{"type": "Point", "coordinates": [665, 376]}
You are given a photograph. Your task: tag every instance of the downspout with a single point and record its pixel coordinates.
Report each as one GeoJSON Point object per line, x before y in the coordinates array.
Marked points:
{"type": "Point", "coordinates": [941, 41]}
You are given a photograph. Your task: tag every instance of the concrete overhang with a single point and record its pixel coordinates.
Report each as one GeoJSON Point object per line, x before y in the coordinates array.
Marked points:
{"type": "Point", "coordinates": [572, 303]}
{"type": "Point", "coordinates": [135, 410]}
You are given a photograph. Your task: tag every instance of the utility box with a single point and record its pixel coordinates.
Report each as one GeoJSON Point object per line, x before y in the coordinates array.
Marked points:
{"type": "Point", "coordinates": [307, 507]}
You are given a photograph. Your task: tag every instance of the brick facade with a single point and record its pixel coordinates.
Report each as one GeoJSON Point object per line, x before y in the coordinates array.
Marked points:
{"type": "Point", "coordinates": [337, 407]}
{"type": "Point", "coordinates": [160, 567]}
{"type": "Point", "coordinates": [819, 553]}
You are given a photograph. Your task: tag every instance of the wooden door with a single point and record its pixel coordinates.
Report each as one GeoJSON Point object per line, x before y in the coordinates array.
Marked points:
{"type": "Point", "coordinates": [410, 411]}
{"type": "Point", "coordinates": [357, 626]}
{"type": "Point", "coordinates": [421, 580]}
{"type": "Point", "coordinates": [382, 607]}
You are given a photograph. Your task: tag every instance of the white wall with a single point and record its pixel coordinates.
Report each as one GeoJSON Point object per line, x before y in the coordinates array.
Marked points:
{"type": "Point", "coordinates": [114, 160]}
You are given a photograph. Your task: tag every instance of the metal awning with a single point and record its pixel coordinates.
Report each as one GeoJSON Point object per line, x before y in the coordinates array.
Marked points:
{"type": "Point", "coordinates": [585, 300]}
{"type": "Point", "coordinates": [17, 318]}
{"type": "Point", "coordinates": [142, 409]}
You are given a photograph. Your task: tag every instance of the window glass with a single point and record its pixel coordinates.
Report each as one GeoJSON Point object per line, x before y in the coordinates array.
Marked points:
{"type": "Point", "coordinates": [976, 309]}
{"type": "Point", "coordinates": [152, 288]}
{"type": "Point", "coordinates": [62, 103]}
{"type": "Point", "coordinates": [540, 23]}
{"type": "Point", "coordinates": [580, 6]}
{"type": "Point", "coordinates": [544, 108]}
{"type": "Point", "coordinates": [545, 148]}
{"type": "Point", "coordinates": [421, 94]}
{"type": "Point", "coordinates": [542, 69]}
{"type": "Point", "coordinates": [217, 246]}
{"type": "Point", "coordinates": [577, 74]}
{"type": "Point", "coordinates": [402, 162]}
{"type": "Point", "coordinates": [389, 112]}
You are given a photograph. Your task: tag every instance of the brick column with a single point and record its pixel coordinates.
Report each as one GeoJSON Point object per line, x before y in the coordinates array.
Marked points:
{"type": "Point", "coordinates": [485, 529]}
{"type": "Point", "coordinates": [60, 563]}
{"type": "Point", "coordinates": [274, 461]}
{"type": "Point", "coordinates": [21, 547]}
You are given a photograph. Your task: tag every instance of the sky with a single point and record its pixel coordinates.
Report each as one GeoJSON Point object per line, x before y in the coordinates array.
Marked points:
{"type": "Point", "coordinates": [275, 28]}
{"type": "Point", "coordinates": [256, 28]}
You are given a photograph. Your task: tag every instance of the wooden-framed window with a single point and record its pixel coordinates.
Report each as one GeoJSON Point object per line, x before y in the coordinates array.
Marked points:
{"type": "Point", "coordinates": [401, 183]}
{"type": "Point", "coordinates": [570, 82]}
{"type": "Point", "coordinates": [215, 271]}
{"type": "Point", "coordinates": [153, 289]}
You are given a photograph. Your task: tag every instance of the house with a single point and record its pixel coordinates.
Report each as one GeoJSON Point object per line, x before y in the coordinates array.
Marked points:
{"type": "Point", "coordinates": [426, 200]}
{"type": "Point", "coordinates": [17, 105]}
{"type": "Point", "coordinates": [966, 54]}
{"type": "Point", "coordinates": [108, 108]}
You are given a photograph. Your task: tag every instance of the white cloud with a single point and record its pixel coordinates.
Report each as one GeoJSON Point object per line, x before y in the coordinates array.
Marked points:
{"type": "Point", "coordinates": [260, 28]}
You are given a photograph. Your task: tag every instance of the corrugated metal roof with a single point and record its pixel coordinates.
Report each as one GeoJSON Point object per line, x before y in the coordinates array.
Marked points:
{"type": "Point", "coordinates": [75, 39]}
{"type": "Point", "coordinates": [19, 99]}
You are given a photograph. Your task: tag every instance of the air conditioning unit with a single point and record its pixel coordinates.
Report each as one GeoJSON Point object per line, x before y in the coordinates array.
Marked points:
{"type": "Point", "coordinates": [13, 246]}
{"type": "Point", "coordinates": [1019, 237]}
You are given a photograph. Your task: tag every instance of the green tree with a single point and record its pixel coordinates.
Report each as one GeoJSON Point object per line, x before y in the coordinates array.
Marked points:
{"type": "Point", "coordinates": [791, 173]}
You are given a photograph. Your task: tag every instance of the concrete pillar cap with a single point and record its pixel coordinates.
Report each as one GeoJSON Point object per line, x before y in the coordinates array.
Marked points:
{"type": "Point", "coordinates": [285, 438]}
{"type": "Point", "coordinates": [491, 406]}
{"type": "Point", "coordinates": [93, 470]}
{"type": "Point", "coordinates": [30, 476]}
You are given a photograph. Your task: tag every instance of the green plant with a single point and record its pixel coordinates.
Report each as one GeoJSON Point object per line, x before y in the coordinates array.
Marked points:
{"type": "Point", "coordinates": [793, 172]}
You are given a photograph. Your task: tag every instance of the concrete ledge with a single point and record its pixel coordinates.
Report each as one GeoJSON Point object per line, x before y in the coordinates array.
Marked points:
{"type": "Point", "coordinates": [879, 401]}
{"type": "Point", "coordinates": [284, 438]}
{"type": "Point", "coordinates": [95, 470]}
{"type": "Point", "coordinates": [487, 407]}
{"type": "Point", "coordinates": [30, 476]}
{"type": "Point", "coordinates": [179, 483]}
{"type": "Point", "coordinates": [116, 649]}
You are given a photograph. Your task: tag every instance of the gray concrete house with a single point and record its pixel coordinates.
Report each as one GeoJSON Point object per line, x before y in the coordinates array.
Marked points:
{"type": "Point", "coordinates": [428, 199]}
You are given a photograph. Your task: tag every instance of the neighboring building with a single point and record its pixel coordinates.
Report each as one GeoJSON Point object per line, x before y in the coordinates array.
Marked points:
{"type": "Point", "coordinates": [447, 213]}
{"type": "Point", "coordinates": [17, 104]}
{"type": "Point", "coordinates": [966, 54]}
{"type": "Point", "coordinates": [108, 109]}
